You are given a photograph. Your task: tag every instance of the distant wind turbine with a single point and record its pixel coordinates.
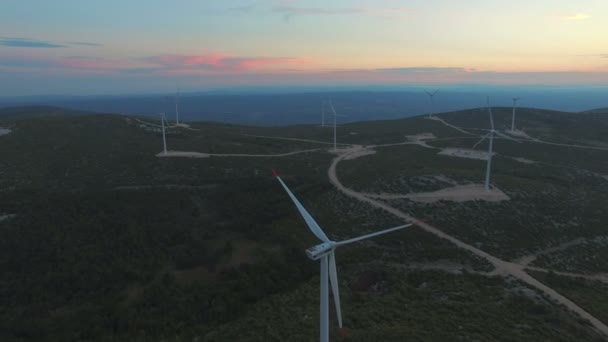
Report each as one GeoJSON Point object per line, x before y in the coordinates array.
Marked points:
{"type": "Point", "coordinates": [490, 135]}
{"type": "Point", "coordinates": [335, 124]}
{"type": "Point", "coordinates": [513, 117]}
{"type": "Point", "coordinates": [162, 123]}
{"type": "Point", "coordinates": [325, 252]}
{"type": "Point", "coordinates": [432, 97]}
{"type": "Point", "coordinates": [323, 113]}
{"type": "Point", "coordinates": [177, 108]}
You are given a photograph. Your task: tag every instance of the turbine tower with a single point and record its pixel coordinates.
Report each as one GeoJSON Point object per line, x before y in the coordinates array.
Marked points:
{"type": "Point", "coordinates": [325, 253]}
{"type": "Point", "coordinates": [331, 105]}
{"type": "Point", "coordinates": [432, 97]}
{"type": "Point", "coordinates": [490, 135]}
{"type": "Point", "coordinates": [162, 124]}
{"type": "Point", "coordinates": [513, 117]}
{"type": "Point", "coordinates": [335, 130]}
{"type": "Point", "coordinates": [177, 108]}
{"type": "Point", "coordinates": [322, 113]}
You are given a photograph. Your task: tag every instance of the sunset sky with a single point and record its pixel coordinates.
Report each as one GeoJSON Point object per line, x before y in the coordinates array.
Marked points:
{"type": "Point", "coordinates": [118, 46]}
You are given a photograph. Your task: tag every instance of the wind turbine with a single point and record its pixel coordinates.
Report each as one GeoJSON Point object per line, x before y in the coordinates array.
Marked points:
{"type": "Point", "coordinates": [322, 113]}
{"type": "Point", "coordinates": [513, 117]}
{"type": "Point", "coordinates": [325, 252]}
{"type": "Point", "coordinates": [432, 95]}
{"type": "Point", "coordinates": [162, 123]}
{"type": "Point", "coordinates": [335, 119]}
{"type": "Point", "coordinates": [177, 108]}
{"type": "Point", "coordinates": [486, 185]}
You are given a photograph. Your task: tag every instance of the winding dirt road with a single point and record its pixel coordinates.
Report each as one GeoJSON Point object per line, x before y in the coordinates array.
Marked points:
{"type": "Point", "coordinates": [502, 267]}
{"type": "Point", "coordinates": [531, 140]}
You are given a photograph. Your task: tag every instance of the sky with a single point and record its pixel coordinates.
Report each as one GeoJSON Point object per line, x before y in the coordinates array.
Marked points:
{"type": "Point", "coordinates": [85, 47]}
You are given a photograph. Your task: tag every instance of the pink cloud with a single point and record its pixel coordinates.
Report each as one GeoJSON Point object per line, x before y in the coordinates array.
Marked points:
{"type": "Point", "coordinates": [226, 63]}
{"type": "Point", "coordinates": [220, 68]}
{"type": "Point", "coordinates": [254, 63]}
{"type": "Point", "coordinates": [169, 64]}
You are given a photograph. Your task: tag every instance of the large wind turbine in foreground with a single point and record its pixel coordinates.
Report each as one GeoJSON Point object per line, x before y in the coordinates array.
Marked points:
{"type": "Point", "coordinates": [490, 147]}
{"type": "Point", "coordinates": [325, 252]}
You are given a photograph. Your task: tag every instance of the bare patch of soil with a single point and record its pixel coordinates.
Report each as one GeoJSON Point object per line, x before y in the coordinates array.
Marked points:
{"type": "Point", "coordinates": [464, 153]}
{"type": "Point", "coordinates": [459, 193]}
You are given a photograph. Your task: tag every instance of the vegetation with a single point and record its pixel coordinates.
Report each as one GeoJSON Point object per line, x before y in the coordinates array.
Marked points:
{"type": "Point", "coordinates": [420, 306]}
{"type": "Point", "coordinates": [551, 200]}
{"type": "Point", "coordinates": [102, 241]}
{"type": "Point", "coordinates": [590, 295]}
{"type": "Point", "coordinates": [587, 257]}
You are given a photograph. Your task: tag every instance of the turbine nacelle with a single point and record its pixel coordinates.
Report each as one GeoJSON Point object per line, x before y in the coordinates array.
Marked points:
{"type": "Point", "coordinates": [320, 250]}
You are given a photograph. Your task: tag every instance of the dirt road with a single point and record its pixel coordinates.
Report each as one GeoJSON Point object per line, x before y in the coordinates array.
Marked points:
{"type": "Point", "coordinates": [502, 267]}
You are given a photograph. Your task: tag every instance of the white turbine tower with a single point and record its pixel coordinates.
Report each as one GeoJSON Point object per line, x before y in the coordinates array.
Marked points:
{"type": "Point", "coordinates": [432, 97]}
{"type": "Point", "coordinates": [322, 113]}
{"type": "Point", "coordinates": [325, 252]}
{"type": "Point", "coordinates": [177, 108]}
{"type": "Point", "coordinates": [490, 135]}
{"type": "Point", "coordinates": [331, 105]}
{"type": "Point", "coordinates": [335, 129]}
{"type": "Point", "coordinates": [162, 124]}
{"type": "Point", "coordinates": [513, 117]}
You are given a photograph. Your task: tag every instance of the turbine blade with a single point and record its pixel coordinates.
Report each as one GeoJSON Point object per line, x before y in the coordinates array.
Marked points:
{"type": "Point", "coordinates": [491, 117]}
{"type": "Point", "coordinates": [333, 279]}
{"type": "Point", "coordinates": [482, 139]}
{"type": "Point", "coordinates": [367, 236]}
{"type": "Point", "coordinates": [314, 227]}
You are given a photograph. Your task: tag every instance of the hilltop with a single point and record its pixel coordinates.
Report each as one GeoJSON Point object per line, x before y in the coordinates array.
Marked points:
{"type": "Point", "coordinates": [41, 112]}
{"type": "Point", "coordinates": [101, 240]}
{"type": "Point", "coordinates": [598, 110]}
{"type": "Point", "coordinates": [286, 106]}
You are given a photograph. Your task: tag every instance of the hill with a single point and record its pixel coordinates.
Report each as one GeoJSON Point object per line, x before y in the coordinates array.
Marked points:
{"type": "Point", "coordinates": [598, 110]}
{"type": "Point", "coordinates": [33, 112]}
{"type": "Point", "coordinates": [289, 107]}
{"type": "Point", "coordinates": [101, 240]}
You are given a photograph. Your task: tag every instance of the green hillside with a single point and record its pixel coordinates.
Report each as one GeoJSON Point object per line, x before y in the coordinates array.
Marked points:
{"type": "Point", "coordinates": [101, 240]}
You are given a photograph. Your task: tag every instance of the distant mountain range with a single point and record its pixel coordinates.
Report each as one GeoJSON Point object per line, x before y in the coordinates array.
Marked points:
{"type": "Point", "coordinates": [598, 110]}
{"type": "Point", "coordinates": [307, 107]}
